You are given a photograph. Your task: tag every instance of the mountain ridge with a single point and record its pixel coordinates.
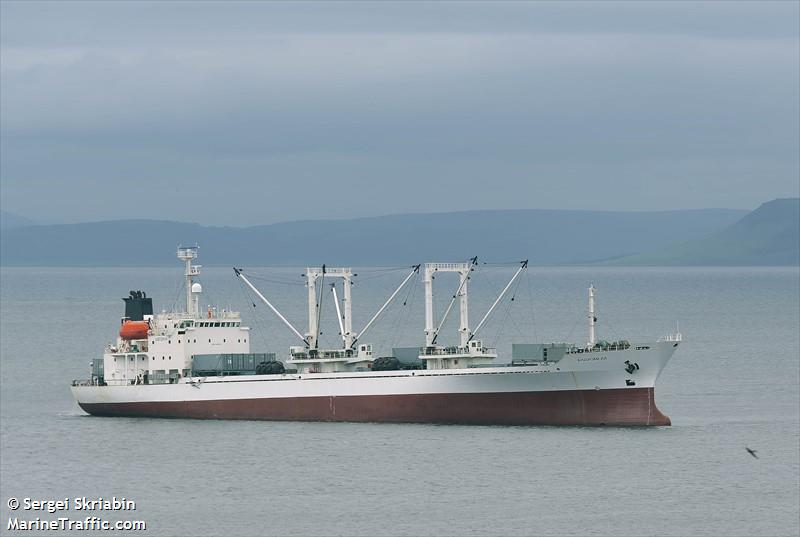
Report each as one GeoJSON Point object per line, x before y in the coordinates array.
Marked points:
{"type": "Point", "coordinates": [10, 220]}
{"type": "Point", "coordinates": [546, 236]}
{"type": "Point", "coordinates": [769, 235]}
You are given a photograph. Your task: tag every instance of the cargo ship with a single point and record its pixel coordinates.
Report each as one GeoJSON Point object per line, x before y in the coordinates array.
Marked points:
{"type": "Point", "coordinates": [198, 363]}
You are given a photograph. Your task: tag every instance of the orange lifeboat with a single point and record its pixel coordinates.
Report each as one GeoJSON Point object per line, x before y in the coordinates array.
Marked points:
{"type": "Point", "coordinates": [134, 330]}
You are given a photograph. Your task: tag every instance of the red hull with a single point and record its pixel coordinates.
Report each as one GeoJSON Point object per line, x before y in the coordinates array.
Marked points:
{"type": "Point", "coordinates": [632, 406]}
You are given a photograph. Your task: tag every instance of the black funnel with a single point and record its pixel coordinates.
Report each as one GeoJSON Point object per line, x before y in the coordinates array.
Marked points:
{"type": "Point", "coordinates": [138, 305]}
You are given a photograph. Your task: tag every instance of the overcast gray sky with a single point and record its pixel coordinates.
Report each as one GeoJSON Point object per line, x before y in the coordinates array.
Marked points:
{"type": "Point", "coordinates": [255, 112]}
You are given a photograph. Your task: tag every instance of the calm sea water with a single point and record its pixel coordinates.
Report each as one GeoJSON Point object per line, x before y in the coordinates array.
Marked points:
{"type": "Point", "coordinates": [735, 382]}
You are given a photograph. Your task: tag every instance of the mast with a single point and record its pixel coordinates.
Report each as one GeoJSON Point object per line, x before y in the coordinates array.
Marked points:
{"type": "Point", "coordinates": [187, 254]}
{"type": "Point", "coordinates": [430, 333]}
{"type": "Point", "coordinates": [523, 266]}
{"type": "Point", "coordinates": [267, 302]}
{"type": "Point", "coordinates": [592, 317]}
{"type": "Point", "coordinates": [347, 304]}
{"type": "Point", "coordinates": [314, 309]}
{"type": "Point", "coordinates": [461, 292]}
{"type": "Point", "coordinates": [463, 270]}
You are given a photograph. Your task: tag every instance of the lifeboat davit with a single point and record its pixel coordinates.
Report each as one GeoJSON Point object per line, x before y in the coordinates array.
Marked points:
{"type": "Point", "coordinates": [134, 330]}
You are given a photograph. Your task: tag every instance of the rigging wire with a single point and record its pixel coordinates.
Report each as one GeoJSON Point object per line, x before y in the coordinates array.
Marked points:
{"type": "Point", "coordinates": [275, 279]}
{"type": "Point", "coordinates": [507, 315]}
{"type": "Point", "coordinates": [414, 287]}
{"type": "Point", "coordinates": [616, 333]}
{"type": "Point", "coordinates": [209, 299]}
{"type": "Point", "coordinates": [531, 307]}
{"type": "Point", "coordinates": [502, 264]}
{"type": "Point", "coordinates": [514, 321]}
{"type": "Point", "coordinates": [383, 269]}
{"type": "Point", "coordinates": [571, 330]}
{"type": "Point", "coordinates": [261, 324]}
{"type": "Point", "coordinates": [404, 314]}
{"type": "Point", "coordinates": [180, 290]}
{"type": "Point", "coordinates": [319, 308]}
{"type": "Point", "coordinates": [502, 324]}
{"type": "Point", "coordinates": [377, 273]}
{"type": "Point", "coordinates": [412, 290]}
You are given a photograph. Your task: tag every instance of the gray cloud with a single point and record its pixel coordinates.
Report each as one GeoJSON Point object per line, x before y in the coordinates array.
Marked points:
{"type": "Point", "coordinates": [258, 112]}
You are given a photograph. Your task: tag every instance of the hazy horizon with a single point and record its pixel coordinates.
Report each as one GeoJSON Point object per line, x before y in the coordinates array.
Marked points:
{"type": "Point", "coordinates": [252, 113]}
{"type": "Point", "coordinates": [356, 217]}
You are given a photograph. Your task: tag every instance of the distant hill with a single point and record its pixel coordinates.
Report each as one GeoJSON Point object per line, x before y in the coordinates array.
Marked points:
{"type": "Point", "coordinates": [9, 220]}
{"type": "Point", "coordinates": [546, 237]}
{"type": "Point", "coordinates": [770, 235]}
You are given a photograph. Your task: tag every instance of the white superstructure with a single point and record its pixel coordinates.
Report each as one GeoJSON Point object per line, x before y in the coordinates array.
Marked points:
{"type": "Point", "coordinates": [164, 352]}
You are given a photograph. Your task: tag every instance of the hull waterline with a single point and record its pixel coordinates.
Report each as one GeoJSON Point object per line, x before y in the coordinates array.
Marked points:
{"type": "Point", "coordinates": [620, 407]}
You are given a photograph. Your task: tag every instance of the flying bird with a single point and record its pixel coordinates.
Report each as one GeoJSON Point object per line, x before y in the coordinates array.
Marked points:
{"type": "Point", "coordinates": [751, 452]}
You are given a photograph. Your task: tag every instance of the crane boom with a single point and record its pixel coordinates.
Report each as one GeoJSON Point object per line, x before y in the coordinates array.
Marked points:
{"type": "Point", "coordinates": [414, 270]}
{"type": "Point", "coordinates": [338, 312]}
{"type": "Point", "coordinates": [499, 297]}
{"type": "Point", "coordinates": [267, 302]}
